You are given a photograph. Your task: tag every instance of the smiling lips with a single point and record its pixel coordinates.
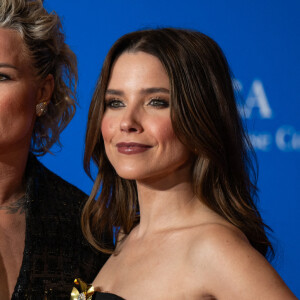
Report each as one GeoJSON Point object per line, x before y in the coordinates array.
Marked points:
{"type": "Point", "coordinates": [132, 148]}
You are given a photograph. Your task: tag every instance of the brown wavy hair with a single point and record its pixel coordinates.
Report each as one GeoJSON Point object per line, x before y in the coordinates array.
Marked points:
{"type": "Point", "coordinates": [45, 44]}
{"type": "Point", "coordinates": [205, 119]}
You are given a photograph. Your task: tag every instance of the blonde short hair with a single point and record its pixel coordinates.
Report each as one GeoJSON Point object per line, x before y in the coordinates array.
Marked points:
{"type": "Point", "coordinates": [45, 42]}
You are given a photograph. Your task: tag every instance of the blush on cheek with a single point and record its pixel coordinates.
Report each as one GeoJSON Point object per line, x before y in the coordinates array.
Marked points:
{"type": "Point", "coordinates": [105, 129]}
{"type": "Point", "coordinates": [164, 130]}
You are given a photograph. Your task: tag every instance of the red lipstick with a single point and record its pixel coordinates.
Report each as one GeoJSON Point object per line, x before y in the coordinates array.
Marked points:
{"type": "Point", "coordinates": [132, 148]}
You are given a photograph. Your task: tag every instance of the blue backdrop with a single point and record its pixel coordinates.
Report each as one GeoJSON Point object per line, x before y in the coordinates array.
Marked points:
{"type": "Point", "coordinates": [261, 40]}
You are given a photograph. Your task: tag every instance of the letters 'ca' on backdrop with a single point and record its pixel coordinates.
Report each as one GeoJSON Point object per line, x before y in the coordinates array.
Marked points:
{"type": "Point", "coordinates": [261, 40]}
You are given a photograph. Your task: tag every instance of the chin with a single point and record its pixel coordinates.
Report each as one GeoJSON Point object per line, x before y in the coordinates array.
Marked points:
{"type": "Point", "coordinates": [128, 174]}
{"type": "Point", "coordinates": [140, 175]}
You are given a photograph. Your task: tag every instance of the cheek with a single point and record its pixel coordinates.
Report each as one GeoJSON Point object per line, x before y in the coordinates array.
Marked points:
{"type": "Point", "coordinates": [105, 128]}
{"type": "Point", "coordinates": [169, 143]}
{"type": "Point", "coordinates": [108, 131]}
{"type": "Point", "coordinates": [108, 128]}
{"type": "Point", "coordinates": [17, 116]}
{"type": "Point", "coordinates": [162, 129]}
{"type": "Point", "coordinates": [17, 109]}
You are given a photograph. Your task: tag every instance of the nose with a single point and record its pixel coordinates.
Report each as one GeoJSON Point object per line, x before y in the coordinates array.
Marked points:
{"type": "Point", "coordinates": [130, 122]}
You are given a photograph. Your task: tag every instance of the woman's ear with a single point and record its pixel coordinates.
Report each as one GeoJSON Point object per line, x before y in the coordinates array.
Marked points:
{"type": "Point", "coordinates": [44, 95]}
{"type": "Point", "coordinates": [46, 89]}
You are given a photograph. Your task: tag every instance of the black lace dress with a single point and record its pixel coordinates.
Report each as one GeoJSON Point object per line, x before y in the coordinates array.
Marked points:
{"type": "Point", "coordinates": [55, 250]}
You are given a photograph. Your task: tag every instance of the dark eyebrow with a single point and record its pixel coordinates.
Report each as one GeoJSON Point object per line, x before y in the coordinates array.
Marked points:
{"type": "Point", "coordinates": [144, 91]}
{"type": "Point", "coordinates": [155, 90]}
{"type": "Point", "coordinates": [2, 65]}
{"type": "Point", "coordinates": [114, 92]}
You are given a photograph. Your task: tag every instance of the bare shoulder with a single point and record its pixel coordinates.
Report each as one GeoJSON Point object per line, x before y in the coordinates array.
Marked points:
{"type": "Point", "coordinates": [214, 247]}
{"type": "Point", "coordinates": [210, 239]}
{"type": "Point", "coordinates": [231, 268]}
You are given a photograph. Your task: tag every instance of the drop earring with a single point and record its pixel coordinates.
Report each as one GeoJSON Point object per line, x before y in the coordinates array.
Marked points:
{"type": "Point", "coordinates": [41, 109]}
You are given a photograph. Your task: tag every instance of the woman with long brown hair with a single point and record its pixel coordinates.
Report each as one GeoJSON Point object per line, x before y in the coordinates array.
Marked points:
{"type": "Point", "coordinates": [176, 176]}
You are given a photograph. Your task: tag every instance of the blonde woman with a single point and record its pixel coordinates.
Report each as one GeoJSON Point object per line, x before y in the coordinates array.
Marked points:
{"type": "Point", "coordinates": [41, 245]}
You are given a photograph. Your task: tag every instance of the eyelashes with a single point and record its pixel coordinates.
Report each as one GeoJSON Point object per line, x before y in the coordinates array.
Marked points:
{"type": "Point", "coordinates": [4, 77]}
{"type": "Point", "coordinates": [156, 102]}
{"type": "Point", "coordinates": [114, 103]}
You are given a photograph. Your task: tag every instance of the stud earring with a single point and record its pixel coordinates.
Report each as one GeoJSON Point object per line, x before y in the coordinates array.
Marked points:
{"type": "Point", "coordinates": [41, 109]}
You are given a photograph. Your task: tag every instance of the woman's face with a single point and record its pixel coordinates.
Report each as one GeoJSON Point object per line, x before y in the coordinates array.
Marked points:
{"type": "Point", "coordinates": [18, 93]}
{"type": "Point", "coordinates": [136, 127]}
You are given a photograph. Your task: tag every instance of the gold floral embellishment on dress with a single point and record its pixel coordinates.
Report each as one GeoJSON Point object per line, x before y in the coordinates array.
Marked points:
{"type": "Point", "coordinates": [82, 291]}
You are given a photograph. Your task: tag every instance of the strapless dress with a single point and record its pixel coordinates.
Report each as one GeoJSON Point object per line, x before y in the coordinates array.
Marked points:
{"type": "Point", "coordinates": [106, 296]}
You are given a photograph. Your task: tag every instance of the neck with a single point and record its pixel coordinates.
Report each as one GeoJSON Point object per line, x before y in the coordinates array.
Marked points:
{"type": "Point", "coordinates": [12, 168]}
{"type": "Point", "coordinates": [166, 203]}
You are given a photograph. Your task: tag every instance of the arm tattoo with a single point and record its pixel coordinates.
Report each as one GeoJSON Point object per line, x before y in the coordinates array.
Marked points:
{"type": "Point", "coordinates": [16, 206]}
